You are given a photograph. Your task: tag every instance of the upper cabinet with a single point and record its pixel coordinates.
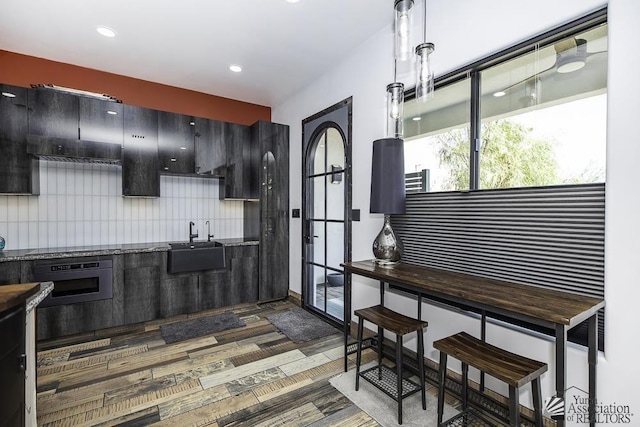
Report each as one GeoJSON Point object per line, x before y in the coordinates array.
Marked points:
{"type": "Point", "coordinates": [101, 121]}
{"type": "Point", "coordinates": [210, 147]}
{"type": "Point", "coordinates": [237, 182]}
{"type": "Point", "coordinates": [176, 133]}
{"type": "Point", "coordinates": [53, 114]}
{"type": "Point", "coordinates": [140, 163]}
{"type": "Point", "coordinates": [18, 170]}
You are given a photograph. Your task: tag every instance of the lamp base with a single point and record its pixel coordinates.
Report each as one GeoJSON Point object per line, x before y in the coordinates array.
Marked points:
{"type": "Point", "coordinates": [387, 247]}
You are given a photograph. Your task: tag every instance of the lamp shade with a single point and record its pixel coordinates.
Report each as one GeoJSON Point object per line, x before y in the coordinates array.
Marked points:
{"type": "Point", "coordinates": [388, 192]}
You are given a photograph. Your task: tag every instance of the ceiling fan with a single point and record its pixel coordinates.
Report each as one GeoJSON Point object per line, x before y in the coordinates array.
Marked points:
{"type": "Point", "coordinates": [571, 55]}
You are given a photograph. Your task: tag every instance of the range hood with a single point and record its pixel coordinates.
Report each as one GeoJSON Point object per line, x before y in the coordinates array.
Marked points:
{"type": "Point", "coordinates": [66, 150]}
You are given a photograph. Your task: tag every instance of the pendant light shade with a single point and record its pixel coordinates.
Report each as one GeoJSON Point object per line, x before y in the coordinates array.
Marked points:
{"type": "Point", "coordinates": [403, 21]}
{"type": "Point", "coordinates": [395, 110]}
{"type": "Point", "coordinates": [424, 72]}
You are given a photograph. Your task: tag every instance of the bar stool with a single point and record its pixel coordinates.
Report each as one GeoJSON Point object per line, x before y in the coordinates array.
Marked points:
{"type": "Point", "coordinates": [381, 376]}
{"type": "Point", "coordinates": [513, 369]}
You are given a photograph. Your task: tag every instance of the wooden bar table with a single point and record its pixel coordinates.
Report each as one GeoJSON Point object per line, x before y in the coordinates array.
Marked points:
{"type": "Point", "coordinates": [559, 311]}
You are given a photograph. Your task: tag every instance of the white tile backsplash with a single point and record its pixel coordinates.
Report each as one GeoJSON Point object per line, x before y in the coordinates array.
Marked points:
{"type": "Point", "coordinates": [81, 204]}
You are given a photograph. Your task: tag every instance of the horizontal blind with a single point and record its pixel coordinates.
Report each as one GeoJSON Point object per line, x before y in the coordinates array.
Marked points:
{"type": "Point", "coordinates": [552, 237]}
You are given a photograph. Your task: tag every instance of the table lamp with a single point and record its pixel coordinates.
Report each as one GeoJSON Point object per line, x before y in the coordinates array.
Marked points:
{"type": "Point", "coordinates": [387, 196]}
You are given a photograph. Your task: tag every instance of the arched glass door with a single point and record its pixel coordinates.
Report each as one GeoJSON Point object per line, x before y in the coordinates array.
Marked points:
{"type": "Point", "coordinates": [326, 224]}
{"type": "Point", "coordinates": [326, 207]}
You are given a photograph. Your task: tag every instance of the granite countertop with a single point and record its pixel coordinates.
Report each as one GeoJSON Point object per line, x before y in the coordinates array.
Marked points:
{"type": "Point", "coordinates": [80, 251]}
{"type": "Point", "coordinates": [13, 295]}
{"type": "Point", "coordinates": [238, 241]}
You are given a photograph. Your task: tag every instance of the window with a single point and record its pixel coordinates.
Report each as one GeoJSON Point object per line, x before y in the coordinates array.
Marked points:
{"type": "Point", "coordinates": [534, 115]}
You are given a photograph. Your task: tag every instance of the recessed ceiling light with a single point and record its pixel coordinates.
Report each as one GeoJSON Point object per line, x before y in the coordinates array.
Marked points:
{"type": "Point", "coordinates": [499, 93]}
{"type": "Point", "coordinates": [292, 1]}
{"type": "Point", "coordinates": [9, 94]}
{"type": "Point", "coordinates": [113, 113]}
{"type": "Point", "coordinates": [417, 119]}
{"type": "Point", "coordinates": [235, 68]}
{"type": "Point", "coordinates": [183, 148]}
{"type": "Point", "coordinates": [105, 31]}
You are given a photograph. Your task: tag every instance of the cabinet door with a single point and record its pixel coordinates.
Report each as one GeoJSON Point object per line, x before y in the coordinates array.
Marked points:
{"type": "Point", "coordinates": [210, 147]}
{"type": "Point", "coordinates": [213, 287]}
{"type": "Point", "coordinates": [53, 114]}
{"type": "Point", "coordinates": [12, 330]}
{"type": "Point", "coordinates": [243, 271]}
{"type": "Point", "coordinates": [179, 294]}
{"type": "Point", "coordinates": [176, 143]}
{"type": "Point", "coordinates": [18, 170]}
{"type": "Point", "coordinates": [273, 140]}
{"type": "Point", "coordinates": [10, 273]}
{"type": "Point", "coordinates": [101, 121]}
{"type": "Point", "coordinates": [142, 286]}
{"type": "Point", "coordinates": [140, 153]}
{"type": "Point", "coordinates": [238, 173]}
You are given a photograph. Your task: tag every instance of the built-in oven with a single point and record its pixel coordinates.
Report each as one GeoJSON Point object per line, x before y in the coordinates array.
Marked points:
{"type": "Point", "coordinates": [75, 282]}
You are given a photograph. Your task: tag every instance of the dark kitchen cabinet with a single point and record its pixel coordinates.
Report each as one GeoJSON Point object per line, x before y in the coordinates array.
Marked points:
{"type": "Point", "coordinates": [237, 182]}
{"type": "Point", "coordinates": [12, 366]}
{"type": "Point", "coordinates": [243, 272]}
{"type": "Point", "coordinates": [213, 287]}
{"type": "Point", "coordinates": [53, 114]}
{"type": "Point", "coordinates": [101, 121]}
{"type": "Point", "coordinates": [142, 278]}
{"type": "Point", "coordinates": [19, 172]}
{"type": "Point", "coordinates": [10, 273]}
{"type": "Point", "coordinates": [178, 294]}
{"type": "Point", "coordinates": [75, 318]}
{"type": "Point", "coordinates": [140, 162]}
{"type": "Point", "coordinates": [210, 149]}
{"type": "Point", "coordinates": [176, 143]}
{"type": "Point", "coordinates": [272, 171]}
{"type": "Point", "coordinates": [237, 283]}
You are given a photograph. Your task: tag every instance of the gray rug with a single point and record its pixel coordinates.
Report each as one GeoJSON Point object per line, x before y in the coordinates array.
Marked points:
{"type": "Point", "coordinates": [199, 327]}
{"type": "Point", "coordinates": [384, 409]}
{"type": "Point", "coordinates": [301, 326]}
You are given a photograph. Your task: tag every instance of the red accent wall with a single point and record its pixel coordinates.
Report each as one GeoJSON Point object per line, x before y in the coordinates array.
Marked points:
{"type": "Point", "coordinates": [22, 70]}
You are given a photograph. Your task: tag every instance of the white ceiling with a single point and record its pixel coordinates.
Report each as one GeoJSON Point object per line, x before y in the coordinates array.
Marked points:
{"type": "Point", "coordinates": [282, 47]}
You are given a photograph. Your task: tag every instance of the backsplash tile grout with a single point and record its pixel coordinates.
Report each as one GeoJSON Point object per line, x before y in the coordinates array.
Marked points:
{"type": "Point", "coordinates": [81, 205]}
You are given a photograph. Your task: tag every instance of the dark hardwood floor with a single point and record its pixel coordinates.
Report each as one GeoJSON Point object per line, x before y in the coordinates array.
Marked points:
{"type": "Point", "coordinates": [252, 375]}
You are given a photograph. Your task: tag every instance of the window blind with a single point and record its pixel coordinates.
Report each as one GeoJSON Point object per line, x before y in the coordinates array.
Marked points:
{"type": "Point", "coordinates": [552, 237]}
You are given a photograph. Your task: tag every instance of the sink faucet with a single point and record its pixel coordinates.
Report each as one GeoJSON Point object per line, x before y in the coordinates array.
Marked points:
{"type": "Point", "coordinates": [191, 235]}
{"type": "Point", "coordinates": [209, 235]}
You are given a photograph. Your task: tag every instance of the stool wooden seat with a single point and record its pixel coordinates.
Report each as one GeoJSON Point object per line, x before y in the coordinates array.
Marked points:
{"type": "Point", "coordinates": [513, 369]}
{"type": "Point", "coordinates": [400, 325]}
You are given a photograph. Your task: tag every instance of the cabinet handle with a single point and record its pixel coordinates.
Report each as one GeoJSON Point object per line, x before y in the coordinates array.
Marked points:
{"type": "Point", "coordinates": [22, 362]}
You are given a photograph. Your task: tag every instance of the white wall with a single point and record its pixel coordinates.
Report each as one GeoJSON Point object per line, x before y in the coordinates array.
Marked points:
{"type": "Point", "coordinates": [464, 31]}
{"type": "Point", "coordinates": [82, 205]}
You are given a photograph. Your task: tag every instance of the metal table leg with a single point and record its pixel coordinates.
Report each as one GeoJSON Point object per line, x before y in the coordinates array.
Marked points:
{"type": "Point", "coordinates": [561, 364]}
{"type": "Point", "coordinates": [593, 361]}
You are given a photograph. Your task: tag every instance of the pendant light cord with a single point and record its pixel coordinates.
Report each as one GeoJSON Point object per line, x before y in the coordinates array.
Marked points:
{"type": "Point", "coordinates": [425, 21]}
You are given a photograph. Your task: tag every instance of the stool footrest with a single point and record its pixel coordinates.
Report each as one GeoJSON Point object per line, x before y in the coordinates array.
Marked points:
{"type": "Point", "coordinates": [469, 418]}
{"type": "Point", "coordinates": [388, 383]}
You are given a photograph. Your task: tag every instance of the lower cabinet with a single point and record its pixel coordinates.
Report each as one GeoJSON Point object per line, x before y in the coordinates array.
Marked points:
{"type": "Point", "coordinates": [144, 291]}
{"type": "Point", "coordinates": [12, 377]}
{"type": "Point", "coordinates": [143, 273]}
{"type": "Point", "coordinates": [236, 284]}
{"type": "Point", "coordinates": [178, 295]}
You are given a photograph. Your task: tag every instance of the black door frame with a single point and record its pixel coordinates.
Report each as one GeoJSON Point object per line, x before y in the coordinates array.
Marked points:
{"type": "Point", "coordinates": [338, 116]}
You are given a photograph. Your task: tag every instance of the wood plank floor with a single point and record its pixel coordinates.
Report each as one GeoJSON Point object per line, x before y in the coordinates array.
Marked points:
{"type": "Point", "coordinates": [252, 375]}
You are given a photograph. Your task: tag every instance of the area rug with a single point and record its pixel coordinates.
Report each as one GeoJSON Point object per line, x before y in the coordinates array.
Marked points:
{"type": "Point", "coordinates": [383, 409]}
{"type": "Point", "coordinates": [301, 326]}
{"type": "Point", "coordinates": [199, 327]}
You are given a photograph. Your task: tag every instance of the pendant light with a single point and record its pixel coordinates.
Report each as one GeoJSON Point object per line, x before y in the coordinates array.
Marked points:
{"type": "Point", "coordinates": [403, 21]}
{"type": "Point", "coordinates": [395, 107]}
{"type": "Point", "coordinates": [424, 72]}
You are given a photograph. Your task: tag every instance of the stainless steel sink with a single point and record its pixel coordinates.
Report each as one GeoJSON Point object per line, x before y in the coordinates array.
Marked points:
{"type": "Point", "coordinates": [196, 256]}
